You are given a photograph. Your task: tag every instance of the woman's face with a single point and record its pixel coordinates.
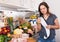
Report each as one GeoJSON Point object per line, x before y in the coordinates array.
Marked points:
{"type": "Point", "coordinates": [43, 9]}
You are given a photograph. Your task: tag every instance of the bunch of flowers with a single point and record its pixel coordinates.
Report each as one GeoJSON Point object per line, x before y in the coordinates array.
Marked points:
{"type": "Point", "coordinates": [24, 27]}
{"type": "Point", "coordinates": [3, 34]}
{"type": "Point", "coordinates": [4, 30]}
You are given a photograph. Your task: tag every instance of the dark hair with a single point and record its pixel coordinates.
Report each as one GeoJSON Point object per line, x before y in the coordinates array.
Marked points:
{"type": "Point", "coordinates": [46, 5]}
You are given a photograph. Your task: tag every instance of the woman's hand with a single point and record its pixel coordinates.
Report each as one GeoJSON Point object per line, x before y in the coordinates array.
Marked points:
{"type": "Point", "coordinates": [38, 21]}
{"type": "Point", "coordinates": [38, 24]}
{"type": "Point", "coordinates": [48, 26]}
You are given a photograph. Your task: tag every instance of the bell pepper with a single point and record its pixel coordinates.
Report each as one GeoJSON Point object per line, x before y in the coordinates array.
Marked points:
{"type": "Point", "coordinates": [1, 38]}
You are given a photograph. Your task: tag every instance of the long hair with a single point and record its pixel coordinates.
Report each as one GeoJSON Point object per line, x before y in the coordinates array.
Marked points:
{"type": "Point", "coordinates": [46, 5]}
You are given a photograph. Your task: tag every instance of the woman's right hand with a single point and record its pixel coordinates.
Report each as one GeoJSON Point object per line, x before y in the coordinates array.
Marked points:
{"type": "Point", "coordinates": [38, 24]}
{"type": "Point", "coordinates": [38, 21]}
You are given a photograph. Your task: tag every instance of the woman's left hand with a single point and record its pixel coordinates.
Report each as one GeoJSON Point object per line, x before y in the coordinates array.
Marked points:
{"type": "Point", "coordinates": [48, 26]}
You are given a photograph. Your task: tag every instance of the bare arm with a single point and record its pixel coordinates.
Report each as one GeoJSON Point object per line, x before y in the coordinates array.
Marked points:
{"type": "Point", "coordinates": [38, 24]}
{"type": "Point", "coordinates": [55, 26]}
{"type": "Point", "coordinates": [38, 27]}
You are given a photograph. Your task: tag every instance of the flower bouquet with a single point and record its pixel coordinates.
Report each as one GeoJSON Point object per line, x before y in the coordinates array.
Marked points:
{"type": "Point", "coordinates": [3, 34]}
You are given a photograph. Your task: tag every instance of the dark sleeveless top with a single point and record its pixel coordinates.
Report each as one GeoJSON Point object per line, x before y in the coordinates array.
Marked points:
{"type": "Point", "coordinates": [49, 21]}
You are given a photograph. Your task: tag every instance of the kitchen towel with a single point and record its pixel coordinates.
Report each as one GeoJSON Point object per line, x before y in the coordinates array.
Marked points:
{"type": "Point", "coordinates": [44, 25]}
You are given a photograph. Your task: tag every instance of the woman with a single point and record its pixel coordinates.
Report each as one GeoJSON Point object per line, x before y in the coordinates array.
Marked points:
{"type": "Point", "coordinates": [50, 19]}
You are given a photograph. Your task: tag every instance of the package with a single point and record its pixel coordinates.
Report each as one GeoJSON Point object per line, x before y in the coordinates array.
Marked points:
{"type": "Point", "coordinates": [14, 40]}
{"type": "Point", "coordinates": [24, 35]}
